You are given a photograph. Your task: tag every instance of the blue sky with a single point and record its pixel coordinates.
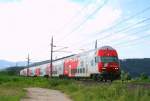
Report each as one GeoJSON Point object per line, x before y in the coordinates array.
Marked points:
{"type": "Point", "coordinates": [27, 26]}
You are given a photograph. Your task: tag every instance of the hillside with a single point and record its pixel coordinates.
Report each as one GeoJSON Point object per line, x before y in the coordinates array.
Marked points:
{"type": "Point", "coordinates": [5, 64]}
{"type": "Point", "coordinates": [136, 66]}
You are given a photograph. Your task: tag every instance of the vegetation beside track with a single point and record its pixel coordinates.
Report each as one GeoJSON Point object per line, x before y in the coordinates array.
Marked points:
{"type": "Point", "coordinates": [11, 88]}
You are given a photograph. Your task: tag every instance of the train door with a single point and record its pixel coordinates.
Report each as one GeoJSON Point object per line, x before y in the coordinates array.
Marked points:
{"type": "Point", "coordinates": [86, 65]}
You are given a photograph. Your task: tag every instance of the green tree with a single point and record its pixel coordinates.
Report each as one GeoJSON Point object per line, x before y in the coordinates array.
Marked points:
{"type": "Point", "coordinates": [143, 76]}
{"type": "Point", "coordinates": [125, 76]}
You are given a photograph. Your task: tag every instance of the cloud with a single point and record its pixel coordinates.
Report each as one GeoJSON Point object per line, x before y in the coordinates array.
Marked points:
{"type": "Point", "coordinates": [10, 1]}
{"type": "Point", "coordinates": [80, 1]}
{"type": "Point", "coordinates": [28, 26]}
{"type": "Point", "coordinates": [89, 32]}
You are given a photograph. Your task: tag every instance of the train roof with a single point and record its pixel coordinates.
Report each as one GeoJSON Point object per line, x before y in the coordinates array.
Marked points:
{"type": "Point", "coordinates": [48, 61]}
{"type": "Point", "coordinates": [106, 47]}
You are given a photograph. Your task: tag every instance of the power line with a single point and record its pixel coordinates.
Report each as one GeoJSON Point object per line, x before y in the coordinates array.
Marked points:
{"type": "Point", "coordinates": [133, 40]}
{"type": "Point", "coordinates": [85, 20]}
{"type": "Point", "coordinates": [133, 44]}
{"type": "Point", "coordinates": [128, 18]}
{"type": "Point", "coordinates": [74, 17]}
{"type": "Point", "coordinates": [122, 21]}
{"type": "Point", "coordinates": [126, 29]}
{"type": "Point", "coordinates": [137, 32]}
{"type": "Point", "coordinates": [123, 29]}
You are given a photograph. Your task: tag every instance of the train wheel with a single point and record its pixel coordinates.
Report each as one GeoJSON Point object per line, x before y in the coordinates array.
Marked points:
{"type": "Point", "coordinates": [95, 77]}
{"type": "Point", "coordinates": [105, 80]}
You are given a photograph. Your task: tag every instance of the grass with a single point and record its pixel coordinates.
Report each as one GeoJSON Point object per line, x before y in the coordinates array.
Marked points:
{"type": "Point", "coordinates": [11, 89]}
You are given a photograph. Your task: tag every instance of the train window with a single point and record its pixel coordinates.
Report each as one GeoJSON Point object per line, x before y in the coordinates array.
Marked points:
{"type": "Point", "coordinates": [73, 71]}
{"type": "Point", "coordinates": [80, 70]}
{"type": "Point", "coordinates": [92, 62]}
{"type": "Point", "coordinates": [32, 73]}
{"type": "Point", "coordinates": [41, 72]}
{"type": "Point", "coordinates": [96, 60]}
{"type": "Point", "coordinates": [77, 70]}
{"type": "Point", "coordinates": [83, 70]}
{"type": "Point", "coordinates": [81, 63]}
{"type": "Point", "coordinates": [59, 68]}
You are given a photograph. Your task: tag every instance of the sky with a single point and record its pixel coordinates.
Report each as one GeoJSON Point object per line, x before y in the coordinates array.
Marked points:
{"type": "Point", "coordinates": [26, 26]}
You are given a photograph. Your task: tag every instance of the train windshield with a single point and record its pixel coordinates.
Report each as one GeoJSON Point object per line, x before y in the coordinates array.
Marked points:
{"type": "Point", "coordinates": [109, 59]}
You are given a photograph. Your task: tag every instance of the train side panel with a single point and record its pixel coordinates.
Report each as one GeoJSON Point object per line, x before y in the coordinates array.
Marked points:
{"type": "Point", "coordinates": [81, 65]}
{"type": "Point", "coordinates": [58, 68]}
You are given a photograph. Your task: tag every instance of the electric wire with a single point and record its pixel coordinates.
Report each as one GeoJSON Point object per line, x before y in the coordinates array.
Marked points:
{"type": "Point", "coordinates": [75, 16]}
{"type": "Point", "coordinates": [122, 21]}
{"type": "Point", "coordinates": [84, 21]}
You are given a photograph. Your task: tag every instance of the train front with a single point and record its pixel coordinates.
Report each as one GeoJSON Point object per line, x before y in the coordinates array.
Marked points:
{"type": "Point", "coordinates": [108, 63]}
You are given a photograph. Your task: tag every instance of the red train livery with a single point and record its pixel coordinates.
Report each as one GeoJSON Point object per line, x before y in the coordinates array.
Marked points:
{"type": "Point", "coordinates": [101, 63]}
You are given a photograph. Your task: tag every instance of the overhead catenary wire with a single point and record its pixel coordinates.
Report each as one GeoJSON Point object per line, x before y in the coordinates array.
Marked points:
{"type": "Point", "coordinates": [134, 43]}
{"type": "Point", "coordinates": [136, 39]}
{"type": "Point", "coordinates": [122, 21]}
{"type": "Point", "coordinates": [85, 20]}
{"type": "Point", "coordinates": [128, 28]}
{"type": "Point", "coordinates": [75, 16]}
{"type": "Point", "coordinates": [142, 29]}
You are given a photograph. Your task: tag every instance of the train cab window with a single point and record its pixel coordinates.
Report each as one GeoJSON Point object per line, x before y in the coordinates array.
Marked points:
{"type": "Point", "coordinates": [109, 59]}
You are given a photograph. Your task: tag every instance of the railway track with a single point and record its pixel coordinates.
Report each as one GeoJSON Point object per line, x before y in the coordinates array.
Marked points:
{"type": "Point", "coordinates": [89, 82]}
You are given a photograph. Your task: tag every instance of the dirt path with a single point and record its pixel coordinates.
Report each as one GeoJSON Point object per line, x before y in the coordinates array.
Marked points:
{"type": "Point", "coordinates": [41, 94]}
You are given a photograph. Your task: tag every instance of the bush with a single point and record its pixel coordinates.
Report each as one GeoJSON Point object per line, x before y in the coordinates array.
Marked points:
{"type": "Point", "coordinates": [143, 76]}
{"type": "Point", "coordinates": [125, 76]}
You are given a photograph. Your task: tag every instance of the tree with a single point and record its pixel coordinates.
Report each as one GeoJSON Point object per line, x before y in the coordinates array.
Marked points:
{"type": "Point", "coordinates": [143, 76]}
{"type": "Point", "coordinates": [122, 75]}
{"type": "Point", "coordinates": [125, 76]}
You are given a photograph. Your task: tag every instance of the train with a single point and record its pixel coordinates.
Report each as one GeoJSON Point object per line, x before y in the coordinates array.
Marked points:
{"type": "Point", "coordinates": [98, 64]}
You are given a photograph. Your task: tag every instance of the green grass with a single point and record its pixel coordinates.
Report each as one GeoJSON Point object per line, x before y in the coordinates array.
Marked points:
{"type": "Point", "coordinates": [11, 89]}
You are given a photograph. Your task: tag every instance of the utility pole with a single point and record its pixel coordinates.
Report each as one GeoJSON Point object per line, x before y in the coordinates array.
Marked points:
{"type": "Point", "coordinates": [96, 44]}
{"type": "Point", "coordinates": [52, 51]}
{"type": "Point", "coordinates": [51, 61]}
{"type": "Point", "coordinates": [28, 62]}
